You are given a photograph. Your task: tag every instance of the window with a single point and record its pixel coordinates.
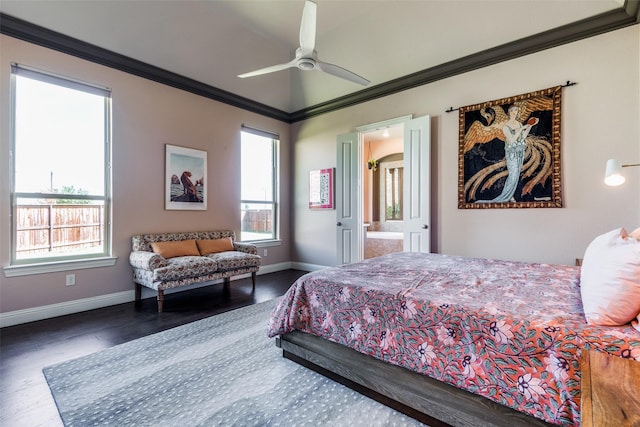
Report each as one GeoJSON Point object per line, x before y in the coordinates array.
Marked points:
{"type": "Point", "coordinates": [387, 188]}
{"type": "Point", "coordinates": [259, 185]}
{"type": "Point", "coordinates": [61, 180]}
{"type": "Point", "coordinates": [393, 174]}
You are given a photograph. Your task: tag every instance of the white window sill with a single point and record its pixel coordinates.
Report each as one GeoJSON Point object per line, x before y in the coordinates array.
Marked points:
{"type": "Point", "coordinates": [263, 243]}
{"type": "Point", "coordinates": [51, 267]}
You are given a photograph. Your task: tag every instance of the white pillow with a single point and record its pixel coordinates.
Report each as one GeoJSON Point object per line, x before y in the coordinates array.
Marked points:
{"type": "Point", "coordinates": [610, 279]}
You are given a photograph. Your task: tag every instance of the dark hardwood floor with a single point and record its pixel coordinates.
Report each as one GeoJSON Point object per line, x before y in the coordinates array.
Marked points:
{"type": "Point", "coordinates": [25, 399]}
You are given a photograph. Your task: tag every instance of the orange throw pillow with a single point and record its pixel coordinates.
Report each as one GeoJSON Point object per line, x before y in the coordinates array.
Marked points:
{"type": "Point", "coordinates": [174, 249]}
{"type": "Point", "coordinates": [213, 246]}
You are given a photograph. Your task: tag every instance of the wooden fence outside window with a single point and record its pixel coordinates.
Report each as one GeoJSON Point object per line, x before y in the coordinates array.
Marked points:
{"type": "Point", "coordinates": [58, 229]}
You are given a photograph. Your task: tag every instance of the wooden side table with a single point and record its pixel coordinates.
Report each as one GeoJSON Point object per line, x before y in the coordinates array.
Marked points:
{"type": "Point", "coordinates": [610, 390]}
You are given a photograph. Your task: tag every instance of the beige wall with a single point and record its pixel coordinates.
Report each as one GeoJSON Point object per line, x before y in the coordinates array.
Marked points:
{"type": "Point", "coordinates": [146, 116]}
{"type": "Point", "coordinates": [600, 120]}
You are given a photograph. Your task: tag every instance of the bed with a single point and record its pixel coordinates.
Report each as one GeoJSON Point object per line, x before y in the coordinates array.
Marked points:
{"type": "Point", "coordinates": [450, 340]}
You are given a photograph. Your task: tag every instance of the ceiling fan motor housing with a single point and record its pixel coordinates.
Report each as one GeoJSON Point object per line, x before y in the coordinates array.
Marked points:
{"type": "Point", "coordinates": [306, 64]}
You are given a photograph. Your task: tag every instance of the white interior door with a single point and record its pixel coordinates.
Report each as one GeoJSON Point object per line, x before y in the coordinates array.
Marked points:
{"type": "Point", "coordinates": [417, 188]}
{"type": "Point", "coordinates": [347, 219]}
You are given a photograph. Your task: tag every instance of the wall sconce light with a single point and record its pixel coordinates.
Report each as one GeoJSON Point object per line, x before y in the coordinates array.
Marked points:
{"type": "Point", "coordinates": [613, 174]}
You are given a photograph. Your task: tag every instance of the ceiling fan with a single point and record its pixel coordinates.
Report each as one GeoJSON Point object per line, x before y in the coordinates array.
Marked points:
{"type": "Point", "coordinates": [306, 57]}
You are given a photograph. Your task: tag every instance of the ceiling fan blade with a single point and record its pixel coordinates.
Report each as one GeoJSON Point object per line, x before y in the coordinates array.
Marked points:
{"type": "Point", "coordinates": [341, 72]}
{"type": "Point", "coordinates": [272, 69]}
{"type": "Point", "coordinates": [308, 28]}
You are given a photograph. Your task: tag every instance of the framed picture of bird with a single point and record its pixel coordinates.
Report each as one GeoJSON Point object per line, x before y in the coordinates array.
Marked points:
{"type": "Point", "coordinates": [509, 152]}
{"type": "Point", "coordinates": [185, 178]}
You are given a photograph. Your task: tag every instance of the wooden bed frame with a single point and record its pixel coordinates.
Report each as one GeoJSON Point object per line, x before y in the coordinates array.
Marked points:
{"type": "Point", "coordinates": [418, 396]}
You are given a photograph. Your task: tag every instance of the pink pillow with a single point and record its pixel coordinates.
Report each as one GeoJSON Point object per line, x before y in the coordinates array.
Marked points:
{"type": "Point", "coordinates": [610, 279]}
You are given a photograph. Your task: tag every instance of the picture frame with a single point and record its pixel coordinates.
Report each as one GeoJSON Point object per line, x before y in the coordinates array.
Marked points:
{"type": "Point", "coordinates": [185, 178]}
{"type": "Point", "coordinates": [509, 152]}
{"type": "Point", "coordinates": [322, 189]}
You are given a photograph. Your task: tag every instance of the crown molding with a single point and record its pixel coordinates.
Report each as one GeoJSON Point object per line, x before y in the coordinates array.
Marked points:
{"type": "Point", "coordinates": [599, 24]}
{"type": "Point", "coordinates": [41, 36]}
{"type": "Point", "coordinates": [628, 14]}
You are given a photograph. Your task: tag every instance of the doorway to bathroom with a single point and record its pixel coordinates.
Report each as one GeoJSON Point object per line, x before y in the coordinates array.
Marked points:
{"type": "Point", "coordinates": [382, 191]}
{"type": "Point", "coordinates": [404, 207]}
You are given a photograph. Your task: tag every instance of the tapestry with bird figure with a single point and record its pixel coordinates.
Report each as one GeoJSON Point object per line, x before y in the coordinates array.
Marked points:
{"type": "Point", "coordinates": [509, 152]}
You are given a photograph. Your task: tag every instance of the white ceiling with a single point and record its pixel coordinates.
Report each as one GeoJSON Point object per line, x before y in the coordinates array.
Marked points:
{"type": "Point", "coordinates": [212, 41]}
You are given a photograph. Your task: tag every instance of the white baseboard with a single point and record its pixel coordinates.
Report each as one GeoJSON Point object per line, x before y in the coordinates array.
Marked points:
{"type": "Point", "coordinates": [69, 307]}
{"type": "Point", "coordinates": [306, 266]}
{"type": "Point", "coordinates": [272, 268]}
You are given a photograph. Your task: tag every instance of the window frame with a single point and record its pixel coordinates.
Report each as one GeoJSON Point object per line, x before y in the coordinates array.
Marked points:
{"type": "Point", "coordinates": [398, 166]}
{"type": "Point", "coordinates": [89, 259]}
{"type": "Point", "coordinates": [275, 190]}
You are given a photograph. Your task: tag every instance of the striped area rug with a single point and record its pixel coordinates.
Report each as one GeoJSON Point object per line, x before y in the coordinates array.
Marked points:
{"type": "Point", "coordinates": [220, 371]}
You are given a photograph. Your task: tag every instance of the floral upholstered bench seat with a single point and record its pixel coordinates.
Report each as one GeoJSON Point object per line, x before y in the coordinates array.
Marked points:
{"type": "Point", "coordinates": [170, 260]}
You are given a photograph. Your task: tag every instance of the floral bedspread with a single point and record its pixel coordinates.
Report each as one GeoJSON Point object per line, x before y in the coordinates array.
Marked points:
{"type": "Point", "coordinates": [509, 331]}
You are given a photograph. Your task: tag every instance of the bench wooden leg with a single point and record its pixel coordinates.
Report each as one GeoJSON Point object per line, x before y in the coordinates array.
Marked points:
{"type": "Point", "coordinates": [160, 300]}
{"type": "Point", "coordinates": [253, 280]}
{"type": "Point", "coordinates": [138, 292]}
{"type": "Point", "coordinates": [226, 283]}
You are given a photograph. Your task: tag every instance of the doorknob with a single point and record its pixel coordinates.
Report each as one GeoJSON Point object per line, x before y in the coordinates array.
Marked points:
{"type": "Point", "coordinates": [425, 226]}
{"type": "Point", "coordinates": [339, 224]}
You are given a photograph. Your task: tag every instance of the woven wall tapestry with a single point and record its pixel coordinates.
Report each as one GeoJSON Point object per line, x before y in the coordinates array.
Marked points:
{"type": "Point", "coordinates": [509, 152]}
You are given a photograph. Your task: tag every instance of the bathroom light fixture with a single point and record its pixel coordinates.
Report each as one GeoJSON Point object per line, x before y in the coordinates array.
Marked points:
{"type": "Point", "coordinates": [613, 173]}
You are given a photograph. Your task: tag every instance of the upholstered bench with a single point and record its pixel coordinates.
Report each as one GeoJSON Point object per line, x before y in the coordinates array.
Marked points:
{"type": "Point", "coordinates": [170, 260]}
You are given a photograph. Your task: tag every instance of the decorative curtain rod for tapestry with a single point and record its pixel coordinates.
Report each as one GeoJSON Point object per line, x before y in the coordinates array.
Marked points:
{"type": "Point", "coordinates": [568, 83]}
